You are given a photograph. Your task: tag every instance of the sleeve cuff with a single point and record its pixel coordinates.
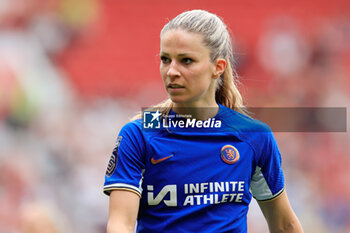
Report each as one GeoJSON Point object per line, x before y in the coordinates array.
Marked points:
{"type": "Point", "coordinates": [120, 186]}
{"type": "Point", "coordinates": [272, 197]}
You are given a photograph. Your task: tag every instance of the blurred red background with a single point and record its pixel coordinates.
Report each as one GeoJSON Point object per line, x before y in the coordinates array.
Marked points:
{"type": "Point", "coordinates": [73, 72]}
{"type": "Point", "coordinates": [119, 54]}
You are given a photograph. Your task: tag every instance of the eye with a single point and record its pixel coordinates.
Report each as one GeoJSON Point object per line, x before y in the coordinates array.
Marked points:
{"type": "Point", "coordinates": [164, 59]}
{"type": "Point", "coordinates": [187, 60]}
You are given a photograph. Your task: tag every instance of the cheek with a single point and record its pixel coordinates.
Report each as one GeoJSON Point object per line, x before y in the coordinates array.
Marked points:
{"type": "Point", "coordinates": [163, 72]}
{"type": "Point", "coordinates": [203, 74]}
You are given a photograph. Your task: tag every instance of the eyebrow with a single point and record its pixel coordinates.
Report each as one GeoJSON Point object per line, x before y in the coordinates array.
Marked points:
{"type": "Point", "coordinates": [180, 55]}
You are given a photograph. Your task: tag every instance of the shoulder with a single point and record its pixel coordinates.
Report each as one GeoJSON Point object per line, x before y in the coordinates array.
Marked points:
{"type": "Point", "coordinates": [243, 123]}
{"type": "Point", "coordinates": [134, 129]}
{"type": "Point", "coordinates": [252, 131]}
{"type": "Point", "coordinates": [131, 129]}
{"type": "Point", "coordinates": [133, 126]}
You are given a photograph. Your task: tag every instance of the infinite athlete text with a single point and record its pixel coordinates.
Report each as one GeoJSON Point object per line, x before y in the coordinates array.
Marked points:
{"type": "Point", "coordinates": [199, 193]}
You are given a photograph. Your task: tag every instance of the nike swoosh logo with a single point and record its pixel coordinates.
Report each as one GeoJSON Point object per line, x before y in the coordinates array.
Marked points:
{"type": "Point", "coordinates": [153, 161]}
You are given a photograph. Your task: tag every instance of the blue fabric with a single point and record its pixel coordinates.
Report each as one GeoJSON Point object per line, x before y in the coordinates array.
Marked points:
{"type": "Point", "coordinates": [197, 180]}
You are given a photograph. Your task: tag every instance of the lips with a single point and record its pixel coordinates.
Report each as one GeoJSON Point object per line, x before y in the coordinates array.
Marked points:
{"type": "Point", "coordinates": [175, 86]}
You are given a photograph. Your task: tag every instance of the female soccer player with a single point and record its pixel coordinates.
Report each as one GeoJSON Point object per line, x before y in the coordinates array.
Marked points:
{"type": "Point", "coordinates": [193, 163]}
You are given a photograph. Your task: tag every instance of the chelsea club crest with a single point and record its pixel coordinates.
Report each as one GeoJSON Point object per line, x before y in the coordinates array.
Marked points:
{"type": "Point", "coordinates": [229, 154]}
{"type": "Point", "coordinates": [114, 157]}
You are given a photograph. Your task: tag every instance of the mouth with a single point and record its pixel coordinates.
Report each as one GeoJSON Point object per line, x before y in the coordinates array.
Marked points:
{"type": "Point", "coordinates": [174, 86]}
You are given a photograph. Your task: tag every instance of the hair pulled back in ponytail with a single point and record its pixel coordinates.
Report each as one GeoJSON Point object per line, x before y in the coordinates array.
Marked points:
{"type": "Point", "coordinates": [217, 38]}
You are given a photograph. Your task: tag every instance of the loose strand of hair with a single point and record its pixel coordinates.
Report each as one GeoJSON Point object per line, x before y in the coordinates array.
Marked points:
{"type": "Point", "coordinates": [227, 93]}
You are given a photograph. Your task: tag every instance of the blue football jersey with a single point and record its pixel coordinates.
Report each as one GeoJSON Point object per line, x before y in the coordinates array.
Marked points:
{"type": "Point", "coordinates": [196, 178]}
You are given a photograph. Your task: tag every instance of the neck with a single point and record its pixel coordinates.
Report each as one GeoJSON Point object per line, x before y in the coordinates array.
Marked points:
{"type": "Point", "coordinates": [197, 112]}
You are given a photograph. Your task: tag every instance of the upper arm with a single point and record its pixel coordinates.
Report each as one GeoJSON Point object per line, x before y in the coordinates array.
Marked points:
{"type": "Point", "coordinates": [123, 180]}
{"type": "Point", "coordinates": [126, 164]}
{"type": "Point", "coordinates": [267, 186]}
{"type": "Point", "coordinates": [267, 182]}
{"type": "Point", "coordinates": [279, 215]}
{"type": "Point", "coordinates": [123, 210]}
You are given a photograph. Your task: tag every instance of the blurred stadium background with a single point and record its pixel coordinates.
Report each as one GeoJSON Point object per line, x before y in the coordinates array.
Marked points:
{"type": "Point", "coordinates": [72, 72]}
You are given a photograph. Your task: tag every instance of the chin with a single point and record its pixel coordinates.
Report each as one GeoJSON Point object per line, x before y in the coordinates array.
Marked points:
{"type": "Point", "coordinates": [182, 101]}
{"type": "Point", "coordinates": [178, 99]}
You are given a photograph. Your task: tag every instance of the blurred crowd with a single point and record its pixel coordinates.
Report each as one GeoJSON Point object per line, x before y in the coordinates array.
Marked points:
{"type": "Point", "coordinates": [55, 144]}
{"type": "Point", "coordinates": [308, 69]}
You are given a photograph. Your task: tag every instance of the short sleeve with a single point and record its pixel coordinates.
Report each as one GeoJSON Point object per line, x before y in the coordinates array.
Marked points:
{"type": "Point", "coordinates": [268, 180]}
{"type": "Point", "coordinates": [124, 170]}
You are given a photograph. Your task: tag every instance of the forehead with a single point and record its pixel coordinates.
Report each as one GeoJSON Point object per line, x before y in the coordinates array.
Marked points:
{"type": "Point", "coordinates": [180, 41]}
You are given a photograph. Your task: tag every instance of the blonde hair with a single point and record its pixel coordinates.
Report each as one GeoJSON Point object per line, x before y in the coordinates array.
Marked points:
{"type": "Point", "coordinates": [217, 38]}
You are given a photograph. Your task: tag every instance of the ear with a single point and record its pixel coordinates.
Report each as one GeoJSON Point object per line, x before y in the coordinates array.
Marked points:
{"type": "Point", "coordinates": [220, 66]}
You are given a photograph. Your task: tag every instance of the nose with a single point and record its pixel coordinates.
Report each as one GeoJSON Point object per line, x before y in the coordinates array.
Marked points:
{"type": "Point", "coordinates": [173, 70]}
